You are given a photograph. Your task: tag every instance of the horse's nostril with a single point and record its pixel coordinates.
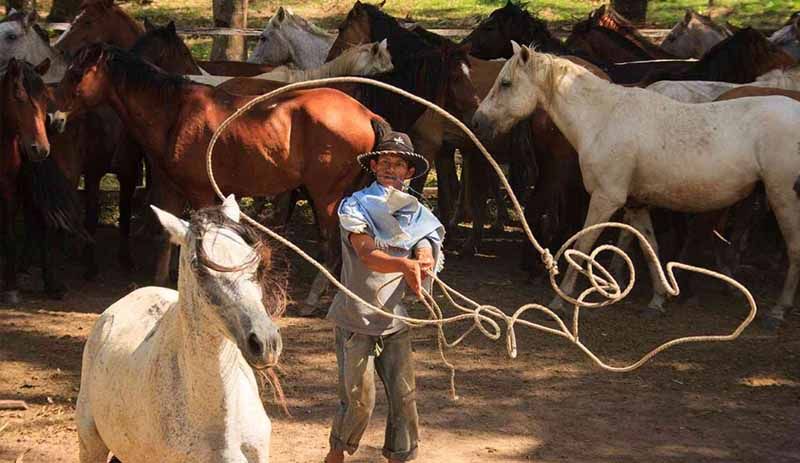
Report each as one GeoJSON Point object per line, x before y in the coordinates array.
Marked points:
{"type": "Point", "coordinates": [255, 345]}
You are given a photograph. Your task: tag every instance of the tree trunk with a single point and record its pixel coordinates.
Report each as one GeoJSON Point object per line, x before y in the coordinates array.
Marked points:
{"type": "Point", "coordinates": [634, 10]}
{"type": "Point", "coordinates": [63, 10]}
{"type": "Point", "coordinates": [230, 13]}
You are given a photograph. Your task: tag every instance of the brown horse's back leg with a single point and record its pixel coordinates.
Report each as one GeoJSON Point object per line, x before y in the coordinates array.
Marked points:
{"type": "Point", "coordinates": [446, 182]}
{"type": "Point", "coordinates": [325, 212]}
{"type": "Point", "coordinates": [477, 189]}
{"type": "Point", "coordinates": [10, 294]}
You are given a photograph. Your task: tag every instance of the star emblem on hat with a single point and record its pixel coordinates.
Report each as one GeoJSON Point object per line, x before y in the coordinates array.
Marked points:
{"type": "Point", "coordinates": [398, 140]}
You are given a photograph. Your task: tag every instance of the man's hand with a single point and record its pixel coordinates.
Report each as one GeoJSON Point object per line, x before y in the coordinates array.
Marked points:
{"type": "Point", "coordinates": [412, 273]}
{"type": "Point", "coordinates": [425, 259]}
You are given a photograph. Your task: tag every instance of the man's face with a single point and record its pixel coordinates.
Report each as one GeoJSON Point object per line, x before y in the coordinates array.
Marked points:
{"type": "Point", "coordinates": [391, 170]}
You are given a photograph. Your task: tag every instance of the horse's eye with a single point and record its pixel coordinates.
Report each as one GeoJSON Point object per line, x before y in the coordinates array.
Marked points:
{"type": "Point", "coordinates": [11, 37]}
{"type": "Point", "coordinates": [505, 83]}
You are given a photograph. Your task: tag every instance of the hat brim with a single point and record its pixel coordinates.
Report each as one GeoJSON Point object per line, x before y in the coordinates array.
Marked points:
{"type": "Point", "coordinates": [418, 162]}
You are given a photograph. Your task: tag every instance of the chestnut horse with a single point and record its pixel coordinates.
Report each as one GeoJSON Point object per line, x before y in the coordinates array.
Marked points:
{"type": "Point", "coordinates": [308, 138]}
{"type": "Point", "coordinates": [29, 175]}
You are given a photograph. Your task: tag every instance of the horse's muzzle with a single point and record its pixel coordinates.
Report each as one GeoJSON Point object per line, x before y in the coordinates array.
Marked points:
{"type": "Point", "coordinates": [37, 152]}
{"type": "Point", "coordinates": [262, 350]}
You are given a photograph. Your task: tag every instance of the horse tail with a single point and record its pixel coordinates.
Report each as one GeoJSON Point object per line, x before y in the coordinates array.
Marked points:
{"type": "Point", "coordinates": [52, 197]}
{"type": "Point", "coordinates": [797, 186]}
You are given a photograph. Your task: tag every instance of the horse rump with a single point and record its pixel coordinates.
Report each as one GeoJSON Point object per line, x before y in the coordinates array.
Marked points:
{"type": "Point", "coordinates": [52, 197]}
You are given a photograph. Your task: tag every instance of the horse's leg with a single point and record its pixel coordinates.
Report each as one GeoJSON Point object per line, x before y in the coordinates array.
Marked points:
{"type": "Point", "coordinates": [600, 210]}
{"type": "Point", "coordinates": [446, 182]}
{"type": "Point", "coordinates": [786, 206]}
{"type": "Point", "coordinates": [92, 447]}
{"type": "Point", "coordinates": [128, 166]}
{"type": "Point", "coordinates": [168, 199]}
{"type": "Point", "coordinates": [624, 241]}
{"type": "Point", "coordinates": [640, 220]}
{"type": "Point", "coordinates": [477, 190]}
{"type": "Point", "coordinates": [10, 294]}
{"type": "Point", "coordinates": [325, 212]}
{"type": "Point", "coordinates": [53, 287]}
{"type": "Point", "coordinates": [502, 218]}
{"type": "Point", "coordinates": [92, 186]}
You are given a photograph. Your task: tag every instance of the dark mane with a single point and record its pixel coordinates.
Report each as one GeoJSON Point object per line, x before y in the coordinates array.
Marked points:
{"type": "Point", "coordinates": [128, 69]}
{"type": "Point", "coordinates": [272, 281]}
{"type": "Point", "coordinates": [518, 24]}
{"type": "Point", "coordinates": [31, 80]}
{"type": "Point", "coordinates": [420, 67]}
{"type": "Point", "coordinates": [738, 59]}
{"type": "Point", "coordinates": [163, 47]}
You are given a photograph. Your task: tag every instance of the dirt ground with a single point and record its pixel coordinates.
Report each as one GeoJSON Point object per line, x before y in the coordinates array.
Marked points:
{"type": "Point", "coordinates": [725, 402]}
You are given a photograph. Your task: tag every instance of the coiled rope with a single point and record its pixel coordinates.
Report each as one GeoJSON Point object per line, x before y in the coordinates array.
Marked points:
{"type": "Point", "coordinates": [485, 316]}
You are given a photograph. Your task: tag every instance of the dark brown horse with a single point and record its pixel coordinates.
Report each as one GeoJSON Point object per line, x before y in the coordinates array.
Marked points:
{"type": "Point", "coordinates": [307, 138]}
{"type": "Point", "coordinates": [28, 175]}
{"type": "Point", "coordinates": [738, 59]}
{"type": "Point", "coordinates": [492, 38]}
{"type": "Point", "coordinates": [426, 65]}
{"type": "Point", "coordinates": [607, 37]}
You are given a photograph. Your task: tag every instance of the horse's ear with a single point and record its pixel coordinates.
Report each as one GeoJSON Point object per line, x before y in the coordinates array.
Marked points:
{"type": "Point", "coordinates": [524, 54]}
{"type": "Point", "coordinates": [43, 67]}
{"type": "Point", "coordinates": [176, 228]}
{"type": "Point", "coordinates": [11, 11]}
{"type": "Point", "coordinates": [171, 29]}
{"type": "Point", "coordinates": [384, 44]}
{"type": "Point", "coordinates": [688, 16]}
{"type": "Point", "coordinates": [380, 5]}
{"type": "Point", "coordinates": [376, 48]}
{"type": "Point", "coordinates": [281, 14]}
{"type": "Point", "coordinates": [231, 208]}
{"type": "Point", "coordinates": [515, 47]}
{"type": "Point", "coordinates": [29, 19]}
{"type": "Point", "coordinates": [148, 26]}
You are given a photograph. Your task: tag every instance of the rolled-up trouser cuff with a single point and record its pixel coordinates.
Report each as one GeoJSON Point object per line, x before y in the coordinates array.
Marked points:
{"type": "Point", "coordinates": [401, 456]}
{"type": "Point", "coordinates": [337, 444]}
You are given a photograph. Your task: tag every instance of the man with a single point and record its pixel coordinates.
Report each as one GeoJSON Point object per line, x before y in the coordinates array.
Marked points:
{"type": "Point", "coordinates": [389, 241]}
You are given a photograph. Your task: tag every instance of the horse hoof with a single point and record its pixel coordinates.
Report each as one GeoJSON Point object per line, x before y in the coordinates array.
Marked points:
{"type": "Point", "coordinates": [9, 297]}
{"type": "Point", "coordinates": [771, 323]}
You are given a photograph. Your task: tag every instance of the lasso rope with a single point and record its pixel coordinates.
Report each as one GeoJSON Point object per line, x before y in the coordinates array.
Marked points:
{"type": "Point", "coordinates": [483, 315]}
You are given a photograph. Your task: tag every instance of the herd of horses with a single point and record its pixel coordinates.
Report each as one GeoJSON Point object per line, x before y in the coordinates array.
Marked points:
{"type": "Point", "coordinates": [111, 94]}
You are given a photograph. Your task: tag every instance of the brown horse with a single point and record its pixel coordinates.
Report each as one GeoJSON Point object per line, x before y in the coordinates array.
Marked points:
{"type": "Point", "coordinates": [29, 175]}
{"type": "Point", "coordinates": [307, 138]}
{"type": "Point", "coordinates": [739, 59]}
{"type": "Point", "coordinates": [426, 65]}
{"type": "Point", "coordinates": [607, 37]}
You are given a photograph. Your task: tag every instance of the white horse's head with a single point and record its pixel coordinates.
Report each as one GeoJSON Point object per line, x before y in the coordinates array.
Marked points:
{"type": "Point", "coordinates": [788, 37]}
{"type": "Point", "coordinates": [367, 60]}
{"type": "Point", "coordinates": [224, 280]}
{"type": "Point", "coordinates": [693, 36]}
{"type": "Point", "coordinates": [285, 36]}
{"type": "Point", "coordinates": [22, 39]}
{"type": "Point", "coordinates": [515, 94]}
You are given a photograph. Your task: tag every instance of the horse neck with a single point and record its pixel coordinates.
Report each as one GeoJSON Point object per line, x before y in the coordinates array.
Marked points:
{"type": "Point", "coordinates": [310, 49]}
{"type": "Point", "coordinates": [151, 128]}
{"type": "Point", "coordinates": [207, 358]}
{"type": "Point", "coordinates": [342, 65]}
{"type": "Point", "coordinates": [578, 102]}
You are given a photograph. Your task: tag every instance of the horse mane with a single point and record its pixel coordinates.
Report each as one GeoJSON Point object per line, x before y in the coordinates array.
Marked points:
{"type": "Point", "coordinates": [540, 35]}
{"type": "Point", "coordinates": [736, 59]}
{"type": "Point", "coordinates": [273, 282]}
{"type": "Point", "coordinates": [172, 45]}
{"type": "Point", "coordinates": [619, 29]}
{"type": "Point", "coordinates": [131, 71]}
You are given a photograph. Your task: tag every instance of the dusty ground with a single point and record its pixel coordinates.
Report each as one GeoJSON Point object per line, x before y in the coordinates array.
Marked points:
{"type": "Point", "coordinates": [727, 402]}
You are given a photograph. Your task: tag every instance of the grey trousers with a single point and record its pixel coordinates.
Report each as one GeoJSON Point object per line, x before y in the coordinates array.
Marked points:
{"type": "Point", "coordinates": [357, 361]}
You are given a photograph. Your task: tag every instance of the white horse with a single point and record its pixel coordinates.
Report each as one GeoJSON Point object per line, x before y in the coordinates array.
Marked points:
{"type": "Point", "coordinates": [166, 375]}
{"type": "Point", "coordinates": [362, 60]}
{"type": "Point", "coordinates": [700, 91]}
{"type": "Point", "coordinates": [635, 145]}
{"type": "Point", "coordinates": [290, 39]}
{"type": "Point", "coordinates": [21, 38]}
{"type": "Point", "coordinates": [693, 36]}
